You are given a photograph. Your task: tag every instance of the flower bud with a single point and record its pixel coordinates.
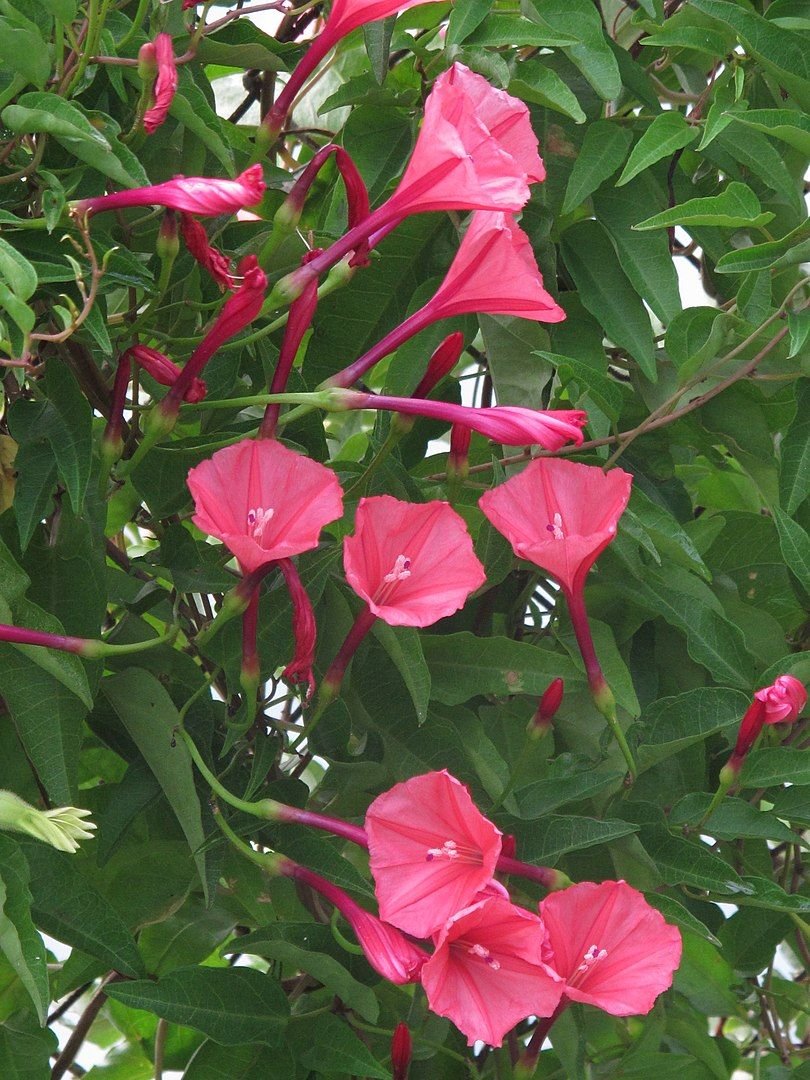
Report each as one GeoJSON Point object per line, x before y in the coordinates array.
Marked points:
{"type": "Point", "coordinates": [547, 708]}
{"type": "Point", "coordinates": [401, 1050]}
{"type": "Point", "coordinates": [62, 828]}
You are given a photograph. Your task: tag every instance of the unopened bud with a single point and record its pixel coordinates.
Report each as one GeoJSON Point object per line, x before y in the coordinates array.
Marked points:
{"type": "Point", "coordinates": [441, 363]}
{"type": "Point", "coordinates": [147, 63]}
{"type": "Point", "coordinates": [168, 242]}
{"type": "Point", "coordinates": [401, 1051]}
{"type": "Point", "coordinates": [458, 462]}
{"type": "Point", "coordinates": [547, 708]}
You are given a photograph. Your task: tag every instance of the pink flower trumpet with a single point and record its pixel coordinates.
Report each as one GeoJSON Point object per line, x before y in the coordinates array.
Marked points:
{"type": "Point", "coordinates": [475, 151]}
{"type": "Point", "coordinates": [210, 258]}
{"type": "Point", "coordinates": [510, 425]}
{"type": "Point", "coordinates": [194, 194]}
{"type": "Point", "coordinates": [494, 271]}
{"type": "Point", "coordinates": [161, 54]}
{"type": "Point", "coordinates": [344, 16]}
{"type": "Point", "coordinates": [387, 950]}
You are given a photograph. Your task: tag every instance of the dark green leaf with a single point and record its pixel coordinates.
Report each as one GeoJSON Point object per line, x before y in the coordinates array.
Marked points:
{"type": "Point", "coordinates": [231, 1005]}
{"type": "Point", "coordinates": [403, 645]}
{"type": "Point", "coordinates": [464, 18]}
{"type": "Point", "coordinates": [603, 150]}
{"type": "Point", "coordinates": [607, 293]}
{"type": "Point", "coordinates": [794, 474]}
{"type": "Point", "coordinates": [545, 840]}
{"type": "Point", "coordinates": [666, 134]}
{"type": "Point", "coordinates": [26, 1049]}
{"type": "Point", "coordinates": [592, 54]}
{"type": "Point", "coordinates": [150, 717]}
{"type": "Point", "coordinates": [791, 249]}
{"type": "Point", "coordinates": [215, 1062]}
{"type": "Point", "coordinates": [795, 546]}
{"type": "Point", "coordinates": [68, 906]}
{"type": "Point", "coordinates": [777, 765]}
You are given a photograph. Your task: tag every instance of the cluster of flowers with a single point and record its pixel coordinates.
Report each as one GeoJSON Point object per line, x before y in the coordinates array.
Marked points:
{"type": "Point", "coordinates": [433, 857]}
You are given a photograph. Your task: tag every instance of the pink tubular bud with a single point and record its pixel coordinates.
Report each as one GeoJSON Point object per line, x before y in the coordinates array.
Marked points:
{"type": "Point", "coordinates": [401, 1051]}
{"type": "Point", "coordinates": [211, 259]}
{"type": "Point", "coordinates": [441, 363]}
{"type": "Point", "coordinates": [547, 708]}
{"type": "Point", "coordinates": [195, 194]}
{"type": "Point", "coordinates": [388, 951]}
{"type": "Point", "coordinates": [304, 629]}
{"type": "Point", "coordinates": [164, 371]}
{"type": "Point", "coordinates": [165, 85]}
{"type": "Point", "coordinates": [458, 462]}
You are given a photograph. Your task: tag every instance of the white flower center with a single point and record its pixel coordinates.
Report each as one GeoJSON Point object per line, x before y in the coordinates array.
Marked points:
{"type": "Point", "coordinates": [483, 953]}
{"type": "Point", "coordinates": [257, 521]}
{"type": "Point", "coordinates": [400, 571]}
{"type": "Point", "coordinates": [591, 957]}
{"type": "Point", "coordinates": [448, 850]}
{"type": "Point", "coordinates": [556, 527]}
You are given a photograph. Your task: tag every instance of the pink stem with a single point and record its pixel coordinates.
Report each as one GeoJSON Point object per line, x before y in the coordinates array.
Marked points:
{"type": "Point", "coordinates": [579, 620]}
{"type": "Point", "coordinates": [19, 635]}
{"type": "Point", "coordinates": [337, 669]}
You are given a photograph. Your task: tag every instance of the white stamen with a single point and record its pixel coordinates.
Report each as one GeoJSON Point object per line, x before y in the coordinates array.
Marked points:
{"type": "Point", "coordinates": [257, 520]}
{"type": "Point", "coordinates": [556, 527]}
{"type": "Point", "coordinates": [402, 569]}
{"type": "Point", "coordinates": [448, 850]}
{"type": "Point", "coordinates": [591, 957]}
{"type": "Point", "coordinates": [483, 953]}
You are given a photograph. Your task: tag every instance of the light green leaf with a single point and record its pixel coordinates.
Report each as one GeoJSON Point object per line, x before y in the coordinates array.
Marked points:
{"type": "Point", "coordinates": [694, 338]}
{"type": "Point", "coordinates": [603, 150]}
{"type": "Point", "coordinates": [464, 18]}
{"type": "Point", "coordinates": [150, 717]}
{"type": "Point", "coordinates": [780, 52]}
{"type": "Point", "coordinates": [19, 941]}
{"type": "Point", "coordinates": [18, 271]}
{"type": "Point", "coordinates": [536, 82]}
{"type": "Point", "coordinates": [512, 30]}
{"type": "Point", "coordinates": [791, 249]}
{"type": "Point", "coordinates": [788, 125]}
{"type": "Point", "coordinates": [592, 53]}
{"type": "Point", "coordinates": [231, 1005]}
{"type": "Point", "coordinates": [667, 133]}
{"type": "Point", "coordinates": [733, 208]}
{"type": "Point", "coordinates": [23, 50]}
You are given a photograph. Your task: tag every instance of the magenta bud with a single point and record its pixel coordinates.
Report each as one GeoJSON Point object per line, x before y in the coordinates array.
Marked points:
{"type": "Point", "coordinates": [547, 708]}
{"type": "Point", "coordinates": [401, 1051]}
{"type": "Point", "coordinates": [458, 462]}
{"type": "Point", "coordinates": [441, 363]}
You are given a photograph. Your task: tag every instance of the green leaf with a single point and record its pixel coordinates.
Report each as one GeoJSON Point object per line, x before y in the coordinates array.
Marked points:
{"type": "Point", "coordinates": [669, 539]}
{"type": "Point", "coordinates": [791, 249]}
{"type": "Point", "coordinates": [767, 894]}
{"type": "Point", "coordinates": [540, 797]}
{"type": "Point", "coordinates": [788, 125]}
{"type": "Point", "coordinates": [150, 717]}
{"type": "Point", "coordinates": [26, 1049]}
{"type": "Point", "coordinates": [512, 345]}
{"type": "Point", "coordinates": [671, 724]}
{"type": "Point", "coordinates": [68, 425]}
{"type": "Point", "coordinates": [191, 109]}
{"type": "Point", "coordinates": [543, 841]}
{"type": "Point", "coordinates": [379, 141]}
{"type": "Point", "coordinates": [607, 293]}
{"type": "Point", "coordinates": [681, 862]}
{"type": "Point", "coordinates": [215, 1062]}
{"type": "Point", "coordinates": [231, 1005]}
{"type": "Point", "coordinates": [688, 604]}
{"type": "Point", "coordinates": [592, 53]}
{"type": "Point", "coordinates": [331, 1045]}
{"type": "Point", "coordinates": [675, 912]}
{"type": "Point", "coordinates": [794, 473]}
{"type": "Point", "coordinates": [464, 18]}
{"type": "Point", "coordinates": [403, 645]}
{"type": "Point", "coordinates": [694, 337]}
{"type": "Point", "coordinates": [243, 45]}
{"type": "Point", "coordinates": [601, 388]}
{"type": "Point", "coordinates": [463, 666]}
{"type": "Point", "coordinates": [18, 271]}
{"type": "Point", "coordinates": [42, 112]}
{"type": "Point", "coordinates": [536, 82]}
{"type": "Point", "coordinates": [733, 208]}
{"type": "Point", "coordinates": [19, 941]}
{"type": "Point", "coordinates": [512, 30]}
{"type": "Point", "coordinates": [780, 52]}
{"type": "Point", "coordinates": [324, 968]}
{"type": "Point", "coordinates": [699, 38]}
{"type": "Point", "coordinates": [776, 765]}
{"type": "Point", "coordinates": [646, 260]}
{"type": "Point", "coordinates": [603, 150]}
{"type": "Point", "coordinates": [377, 36]}
{"type": "Point", "coordinates": [794, 543]}
{"type": "Point", "coordinates": [23, 50]}
{"type": "Point", "coordinates": [68, 906]}
{"type": "Point", "coordinates": [734, 819]}
{"type": "Point", "coordinates": [667, 133]}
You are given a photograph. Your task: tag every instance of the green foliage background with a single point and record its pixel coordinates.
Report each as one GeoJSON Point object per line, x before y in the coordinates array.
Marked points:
{"type": "Point", "coordinates": [672, 132]}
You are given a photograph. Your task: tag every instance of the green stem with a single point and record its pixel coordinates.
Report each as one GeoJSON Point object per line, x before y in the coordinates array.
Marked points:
{"type": "Point", "coordinates": [267, 860]}
{"type": "Point", "coordinates": [255, 809]}
{"type": "Point", "coordinates": [103, 649]}
{"type": "Point", "coordinates": [313, 399]}
{"type": "Point", "coordinates": [140, 15]}
{"type": "Point", "coordinates": [717, 798]}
